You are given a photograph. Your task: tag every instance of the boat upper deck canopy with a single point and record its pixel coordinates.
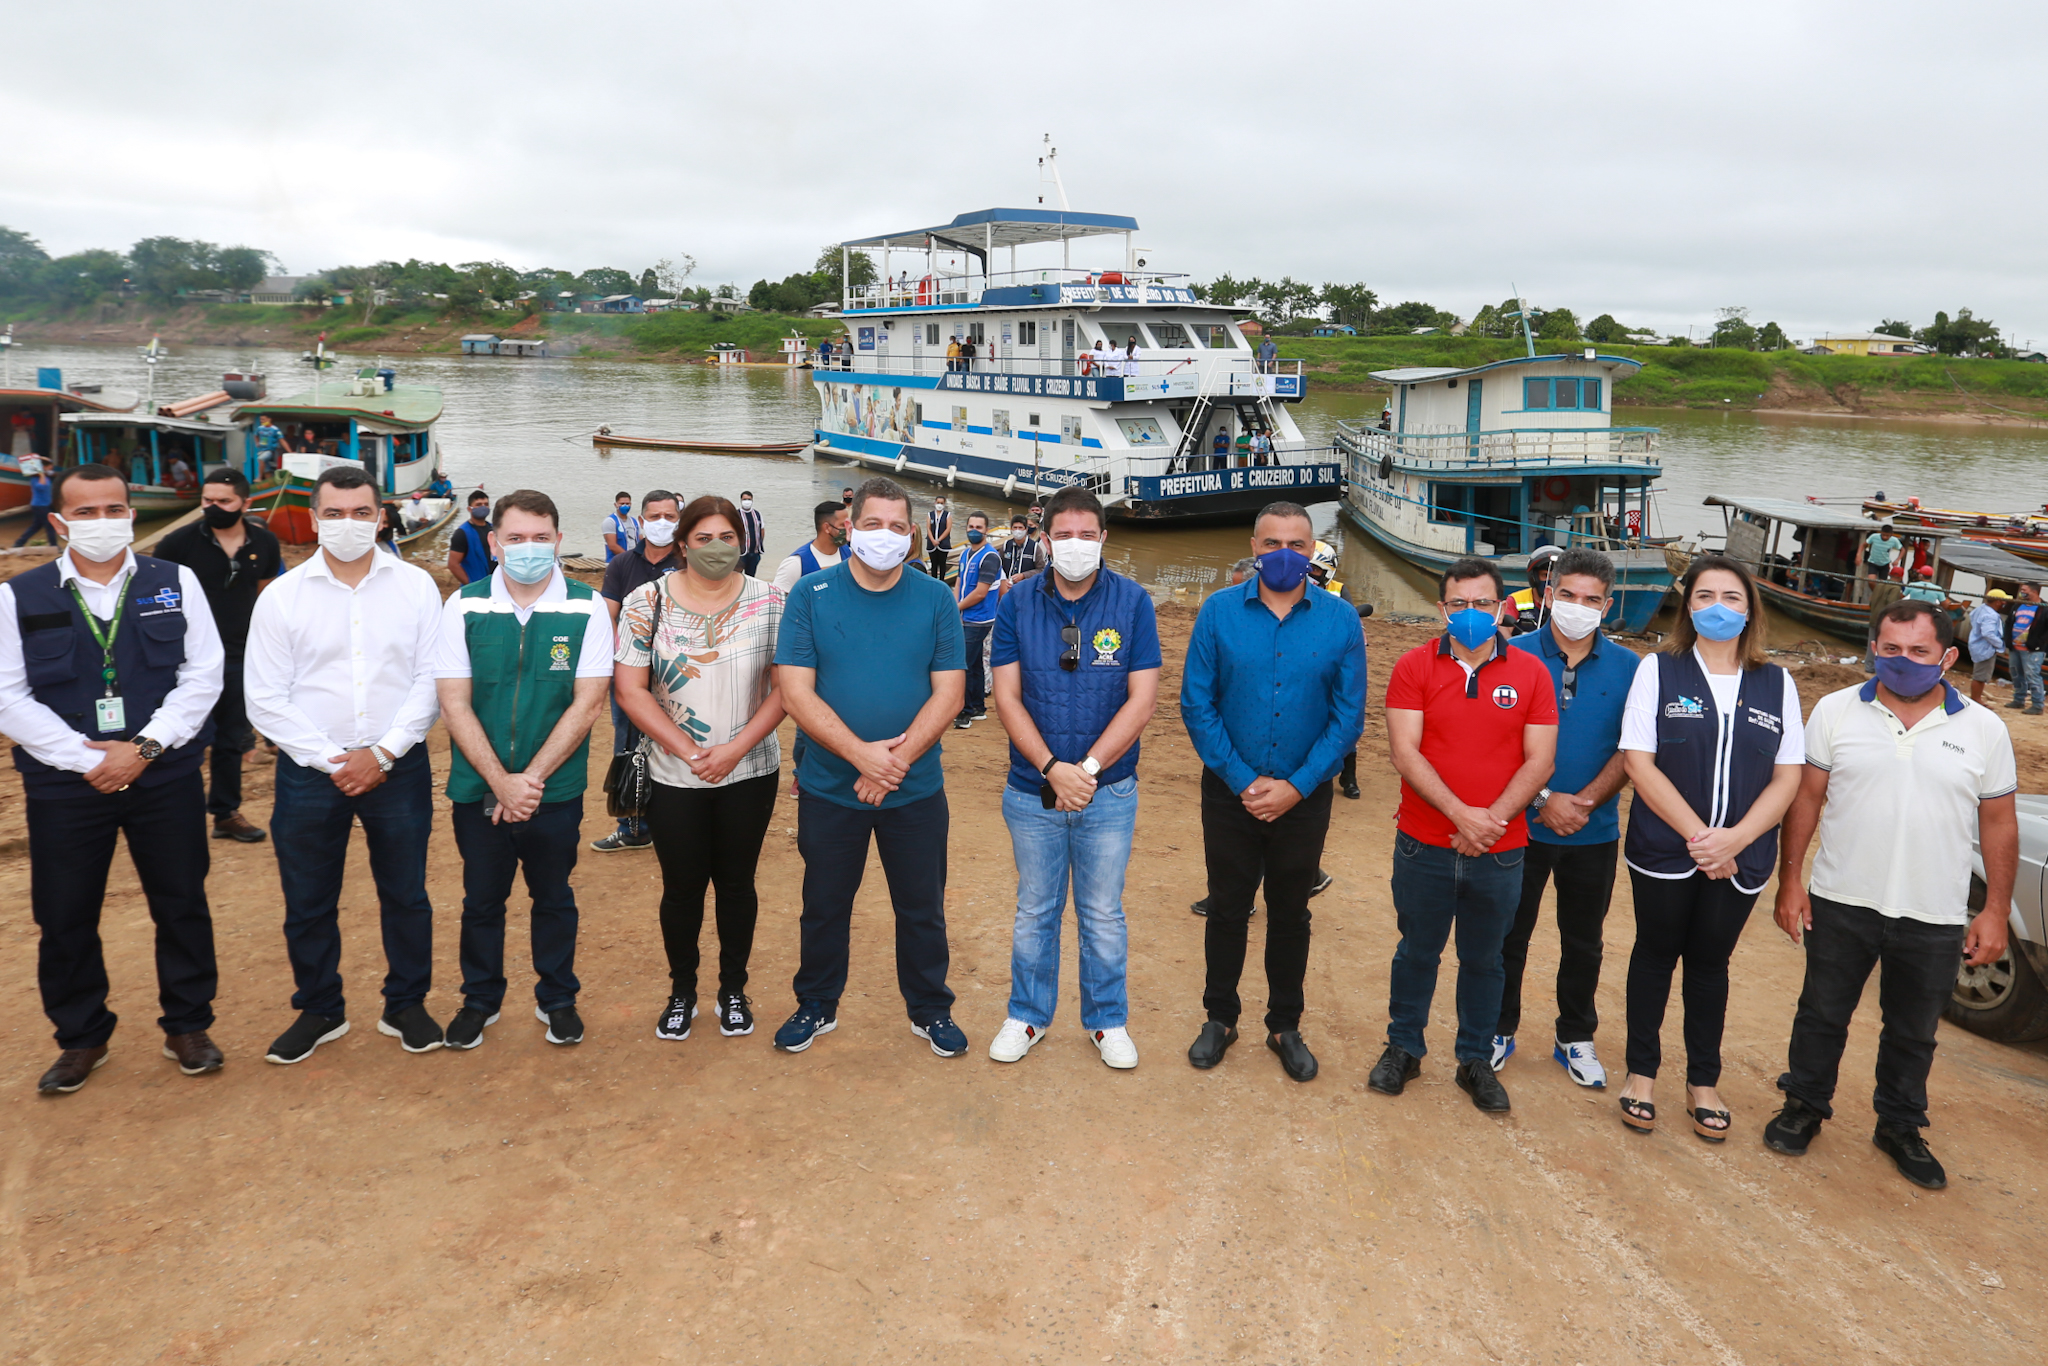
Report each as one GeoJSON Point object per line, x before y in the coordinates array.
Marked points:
{"type": "Point", "coordinates": [162, 422]}
{"type": "Point", "coordinates": [1986, 561]}
{"type": "Point", "coordinates": [1004, 228]}
{"type": "Point", "coordinates": [1424, 374]}
{"type": "Point", "coordinates": [403, 405]}
{"type": "Point", "coordinates": [1811, 515]}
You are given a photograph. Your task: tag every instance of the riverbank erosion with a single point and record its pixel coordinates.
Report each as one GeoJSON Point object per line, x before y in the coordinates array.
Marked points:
{"type": "Point", "coordinates": [716, 1201]}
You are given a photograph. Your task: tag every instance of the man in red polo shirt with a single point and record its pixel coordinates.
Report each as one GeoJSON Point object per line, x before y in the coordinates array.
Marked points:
{"type": "Point", "coordinates": [1473, 729]}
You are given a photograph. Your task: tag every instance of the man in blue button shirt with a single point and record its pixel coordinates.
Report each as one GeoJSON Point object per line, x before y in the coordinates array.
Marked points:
{"type": "Point", "coordinates": [1574, 824]}
{"type": "Point", "coordinates": [1077, 678]}
{"type": "Point", "coordinates": [1273, 695]}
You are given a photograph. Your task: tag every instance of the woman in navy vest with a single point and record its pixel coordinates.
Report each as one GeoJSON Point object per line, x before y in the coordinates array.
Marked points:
{"type": "Point", "coordinates": [1715, 747]}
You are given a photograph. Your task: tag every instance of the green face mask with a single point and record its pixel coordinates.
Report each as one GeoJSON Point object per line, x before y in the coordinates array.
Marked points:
{"type": "Point", "coordinates": [714, 561]}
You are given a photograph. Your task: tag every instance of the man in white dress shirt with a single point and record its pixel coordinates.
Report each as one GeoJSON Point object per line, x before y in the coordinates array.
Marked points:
{"type": "Point", "coordinates": [340, 676]}
{"type": "Point", "coordinates": [109, 668]}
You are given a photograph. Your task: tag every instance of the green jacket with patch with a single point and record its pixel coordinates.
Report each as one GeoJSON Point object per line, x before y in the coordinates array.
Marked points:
{"type": "Point", "coordinates": [522, 678]}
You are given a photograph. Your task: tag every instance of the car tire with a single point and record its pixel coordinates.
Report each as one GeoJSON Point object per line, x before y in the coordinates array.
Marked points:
{"type": "Point", "coordinates": [2004, 1000]}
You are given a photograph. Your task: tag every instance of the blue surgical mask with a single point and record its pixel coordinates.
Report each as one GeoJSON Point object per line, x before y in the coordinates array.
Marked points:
{"type": "Point", "coordinates": [528, 561]}
{"type": "Point", "coordinates": [1904, 677]}
{"type": "Point", "coordinates": [1719, 622]}
{"type": "Point", "coordinates": [974, 535]}
{"type": "Point", "coordinates": [1283, 570]}
{"type": "Point", "coordinates": [1472, 628]}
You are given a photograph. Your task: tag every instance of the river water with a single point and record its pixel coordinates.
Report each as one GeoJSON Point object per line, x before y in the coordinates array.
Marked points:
{"type": "Point", "coordinates": [512, 423]}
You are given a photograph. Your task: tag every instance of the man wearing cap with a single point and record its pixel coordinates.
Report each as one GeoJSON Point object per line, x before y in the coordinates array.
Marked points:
{"type": "Point", "coordinates": [2026, 650]}
{"type": "Point", "coordinates": [1987, 639]}
{"type": "Point", "coordinates": [1923, 588]}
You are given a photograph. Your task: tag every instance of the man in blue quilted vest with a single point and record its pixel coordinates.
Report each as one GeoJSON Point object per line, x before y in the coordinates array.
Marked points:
{"type": "Point", "coordinates": [1077, 676]}
{"type": "Point", "coordinates": [523, 667]}
{"type": "Point", "coordinates": [109, 668]}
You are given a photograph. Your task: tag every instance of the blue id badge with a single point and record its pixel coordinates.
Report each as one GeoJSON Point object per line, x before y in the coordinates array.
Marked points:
{"type": "Point", "coordinates": [111, 713]}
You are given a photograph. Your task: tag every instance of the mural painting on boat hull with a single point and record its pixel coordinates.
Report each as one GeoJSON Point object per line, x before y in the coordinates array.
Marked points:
{"type": "Point", "coordinates": [880, 412]}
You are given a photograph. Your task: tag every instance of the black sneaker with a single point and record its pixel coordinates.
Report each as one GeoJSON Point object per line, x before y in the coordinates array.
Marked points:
{"type": "Point", "coordinates": [1792, 1128]}
{"type": "Point", "coordinates": [1392, 1073]}
{"type": "Point", "coordinates": [1202, 907]}
{"type": "Point", "coordinates": [734, 1019]}
{"type": "Point", "coordinates": [962, 721]}
{"type": "Point", "coordinates": [945, 1037]}
{"type": "Point", "coordinates": [617, 842]}
{"type": "Point", "coordinates": [564, 1025]}
{"type": "Point", "coordinates": [674, 1024]}
{"type": "Point", "coordinates": [466, 1030]}
{"type": "Point", "coordinates": [414, 1029]}
{"type": "Point", "coordinates": [1903, 1144]}
{"type": "Point", "coordinates": [1476, 1079]}
{"type": "Point", "coordinates": [307, 1033]}
{"type": "Point", "coordinates": [1323, 881]}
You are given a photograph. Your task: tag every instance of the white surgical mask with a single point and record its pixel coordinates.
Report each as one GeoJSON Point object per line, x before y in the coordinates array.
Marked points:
{"type": "Point", "coordinates": [1074, 560]}
{"type": "Point", "coordinates": [881, 549]}
{"type": "Point", "coordinates": [1575, 620]}
{"type": "Point", "coordinates": [746, 502]}
{"type": "Point", "coordinates": [658, 530]}
{"type": "Point", "coordinates": [345, 538]}
{"type": "Point", "coordinates": [99, 539]}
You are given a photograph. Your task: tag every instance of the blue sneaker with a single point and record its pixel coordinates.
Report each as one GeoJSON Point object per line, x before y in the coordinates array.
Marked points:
{"type": "Point", "coordinates": [812, 1018]}
{"type": "Point", "coordinates": [1503, 1049]}
{"type": "Point", "coordinates": [943, 1035]}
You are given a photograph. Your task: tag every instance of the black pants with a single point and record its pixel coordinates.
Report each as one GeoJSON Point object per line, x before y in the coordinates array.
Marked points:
{"type": "Point", "coordinates": [976, 633]}
{"type": "Point", "coordinates": [232, 738]}
{"type": "Point", "coordinates": [1699, 919]}
{"type": "Point", "coordinates": [1585, 885]}
{"type": "Point", "coordinates": [710, 837]}
{"type": "Point", "coordinates": [1919, 963]}
{"type": "Point", "coordinates": [545, 848]}
{"type": "Point", "coordinates": [911, 840]}
{"type": "Point", "coordinates": [750, 563]}
{"type": "Point", "coordinates": [1241, 850]}
{"type": "Point", "coordinates": [938, 561]}
{"type": "Point", "coordinates": [70, 849]}
{"type": "Point", "coordinates": [38, 520]}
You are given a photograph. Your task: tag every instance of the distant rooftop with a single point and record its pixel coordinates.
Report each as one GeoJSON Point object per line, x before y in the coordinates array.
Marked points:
{"type": "Point", "coordinates": [1005, 228]}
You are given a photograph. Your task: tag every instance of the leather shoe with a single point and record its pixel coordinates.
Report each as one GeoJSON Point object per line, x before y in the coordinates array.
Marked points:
{"type": "Point", "coordinates": [236, 826]}
{"type": "Point", "coordinates": [1392, 1073]}
{"type": "Point", "coordinates": [1209, 1046]}
{"type": "Point", "coordinates": [1294, 1054]}
{"type": "Point", "coordinates": [1477, 1080]}
{"type": "Point", "coordinates": [71, 1069]}
{"type": "Point", "coordinates": [194, 1053]}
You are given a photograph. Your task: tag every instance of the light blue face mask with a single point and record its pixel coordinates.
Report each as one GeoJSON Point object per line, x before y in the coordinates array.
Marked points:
{"type": "Point", "coordinates": [528, 561]}
{"type": "Point", "coordinates": [1719, 622]}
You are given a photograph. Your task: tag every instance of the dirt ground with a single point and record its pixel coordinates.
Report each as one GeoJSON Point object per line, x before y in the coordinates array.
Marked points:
{"type": "Point", "coordinates": [714, 1201]}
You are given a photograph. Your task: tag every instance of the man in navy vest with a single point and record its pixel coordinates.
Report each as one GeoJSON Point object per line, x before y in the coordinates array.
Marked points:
{"type": "Point", "coordinates": [109, 668]}
{"type": "Point", "coordinates": [753, 535]}
{"type": "Point", "coordinates": [1077, 678]}
{"type": "Point", "coordinates": [981, 569]}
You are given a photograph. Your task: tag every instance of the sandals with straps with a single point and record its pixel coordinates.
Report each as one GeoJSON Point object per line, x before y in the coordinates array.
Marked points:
{"type": "Point", "coordinates": [1639, 1115]}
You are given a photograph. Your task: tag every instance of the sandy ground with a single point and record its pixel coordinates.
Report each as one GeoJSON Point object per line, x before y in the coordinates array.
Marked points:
{"type": "Point", "coordinates": [714, 1201]}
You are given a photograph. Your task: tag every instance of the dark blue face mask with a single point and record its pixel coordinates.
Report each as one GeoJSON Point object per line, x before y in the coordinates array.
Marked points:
{"type": "Point", "coordinates": [1283, 570]}
{"type": "Point", "coordinates": [1906, 678]}
{"type": "Point", "coordinates": [974, 535]}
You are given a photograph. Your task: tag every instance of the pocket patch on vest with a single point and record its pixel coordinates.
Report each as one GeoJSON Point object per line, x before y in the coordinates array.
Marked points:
{"type": "Point", "coordinates": [1107, 642]}
{"type": "Point", "coordinates": [558, 654]}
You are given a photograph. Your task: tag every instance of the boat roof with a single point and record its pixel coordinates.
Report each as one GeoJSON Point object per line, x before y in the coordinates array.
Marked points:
{"type": "Point", "coordinates": [1006, 228]}
{"type": "Point", "coordinates": [1986, 561]}
{"type": "Point", "coordinates": [1423, 374]}
{"type": "Point", "coordinates": [410, 404]}
{"type": "Point", "coordinates": [1813, 515]}
{"type": "Point", "coordinates": [65, 398]}
{"type": "Point", "coordinates": [160, 421]}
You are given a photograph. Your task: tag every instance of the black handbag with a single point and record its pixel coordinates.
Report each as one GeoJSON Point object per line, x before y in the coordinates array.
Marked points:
{"type": "Point", "coordinates": [627, 784]}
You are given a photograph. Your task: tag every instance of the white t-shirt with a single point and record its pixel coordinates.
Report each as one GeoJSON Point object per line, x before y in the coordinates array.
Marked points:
{"type": "Point", "coordinates": [792, 569]}
{"type": "Point", "coordinates": [1901, 811]}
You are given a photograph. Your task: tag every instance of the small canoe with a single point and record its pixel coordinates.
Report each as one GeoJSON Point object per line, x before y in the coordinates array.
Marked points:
{"type": "Point", "coordinates": [684, 443]}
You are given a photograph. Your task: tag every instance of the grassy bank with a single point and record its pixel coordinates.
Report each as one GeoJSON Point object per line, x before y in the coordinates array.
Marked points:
{"type": "Point", "coordinates": [1679, 377]}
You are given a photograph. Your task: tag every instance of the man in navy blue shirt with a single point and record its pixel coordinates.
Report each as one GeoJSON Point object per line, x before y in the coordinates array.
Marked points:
{"type": "Point", "coordinates": [1077, 678]}
{"type": "Point", "coordinates": [1272, 696]}
{"type": "Point", "coordinates": [871, 665]}
{"type": "Point", "coordinates": [1574, 824]}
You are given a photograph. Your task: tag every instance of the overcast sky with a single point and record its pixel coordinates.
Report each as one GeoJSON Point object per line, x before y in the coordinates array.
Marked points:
{"type": "Point", "coordinates": [1825, 165]}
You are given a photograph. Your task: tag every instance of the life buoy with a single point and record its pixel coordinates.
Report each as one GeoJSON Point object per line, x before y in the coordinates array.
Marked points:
{"type": "Point", "coordinates": [1111, 277]}
{"type": "Point", "coordinates": [924, 290]}
{"type": "Point", "coordinates": [1087, 363]}
{"type": "Point", "coordinates": [1557, 488]}
{"type": "Point", "coordinates": [1387, 469]}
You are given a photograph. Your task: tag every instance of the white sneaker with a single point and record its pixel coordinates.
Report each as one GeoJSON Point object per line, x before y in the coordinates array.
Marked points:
{"type": "Point", "coordinates": [1581, 1064]}
{"type": "Point", "coordinates": [1503, 1049]}
{"type": "Point", "coordinates": [1117, 1049]}
{"type": "Point", "coordinates": [1013, 1040]}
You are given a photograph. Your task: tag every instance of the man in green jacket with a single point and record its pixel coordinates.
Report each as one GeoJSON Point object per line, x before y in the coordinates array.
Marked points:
{"type": "Point", "coordinates": [524, 661]}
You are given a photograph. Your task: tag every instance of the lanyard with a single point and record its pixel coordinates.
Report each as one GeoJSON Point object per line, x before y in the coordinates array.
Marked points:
{"type": "Point", "coordinates": [105, 639]}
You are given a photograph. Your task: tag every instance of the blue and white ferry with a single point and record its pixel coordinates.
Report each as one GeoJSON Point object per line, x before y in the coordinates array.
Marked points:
{"type": "Point", "coordinates": [1499, 460]}
{"type": "Point", "coordinates": [1041, 406]}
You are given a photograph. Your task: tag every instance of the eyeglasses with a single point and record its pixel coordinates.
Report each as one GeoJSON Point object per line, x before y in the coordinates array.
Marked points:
{"type": "Point", "coordinates": [1071, 659]}
{"type": "Point", "coordinates": [1475, 605]}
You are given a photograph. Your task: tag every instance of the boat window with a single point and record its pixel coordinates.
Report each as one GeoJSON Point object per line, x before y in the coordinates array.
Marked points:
{"type": "Point", "coordinates": [931, 334]}
{"type": "Point", "coordinates": [1027, 333]}
{"type": "Point", "coordinates": [1142, 431]}
{"type": "Point", "coordinates": [1450, 502]}
{"type": "Point", "coordinates": [1535, 393]}
{"type": "Point", "coordinates": [1589, 394]}
{"type": "Point", "coordinates": [1564, 393]}
{"type": "Point", "coordinates": [917, 410]}
{"type": "Point", "coordinates": [974, 333]}
{"type": "Point", "coordinates": [1171, 334]}
{"type": "Point", "coordinates": [1561, 393]}
{"type": "Point", "coordinates": [1032, 421]}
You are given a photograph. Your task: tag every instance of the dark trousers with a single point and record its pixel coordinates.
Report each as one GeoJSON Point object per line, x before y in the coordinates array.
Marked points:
{"type": "Point", "coordinates": [977, 654]}
{"type": "Point", "coordinates": [544, 848]}
{"type": "Point", "coordinates": [1699, 919]}
{"type": "Point", "coordinates": [625, 738]}
{"type": "Point", "coordinates": [937, 557]}
{"type": "Point", "coordinates": [1585, 885]}
{"type": "Point", "coordinates": [710, 837]}
{"type": "Point", "coordinates": [310, 821]}
{"type": "Point", "coordinates": [750, 563]}
{"type": "Point", "coordinates": [911, 840]}
{"type": "Point", "coordinates": [1438, 890]}
{"type": "Point", "coordinates": [1919, 963]}
{"type": "Point", "coordinates": [38, 520]}
{"type": "Point", "coordinates": [232, 738]}
{"type": "Point", "coordinates": [1240, 851]}
{"type": "Point", "coordinates": [70, 849]}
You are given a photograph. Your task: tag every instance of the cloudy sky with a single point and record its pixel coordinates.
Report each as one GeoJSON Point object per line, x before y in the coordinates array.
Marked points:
{"type": "Point", "coordinates": [1825, 165]}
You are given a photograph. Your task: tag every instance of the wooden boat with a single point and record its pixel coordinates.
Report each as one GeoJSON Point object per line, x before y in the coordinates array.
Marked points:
{"type": "Point", "coordinates": [606, 437]}
{"type": "Point", "coordinates": [2024, 534]}
{"type": "Point", "coordinates": [383, 428]}
{"type": "Point", "coordinates": [30, 424]}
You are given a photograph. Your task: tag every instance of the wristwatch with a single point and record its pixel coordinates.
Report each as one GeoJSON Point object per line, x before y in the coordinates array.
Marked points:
{"type": "Point", "coordinates": [148, 749]}
{"type": "Point", "coordinates": [385, 761]}
{"type": "Point", "coordinates": [1090, 767]}
{"type": "Point", "coordinates": [1541, 798]}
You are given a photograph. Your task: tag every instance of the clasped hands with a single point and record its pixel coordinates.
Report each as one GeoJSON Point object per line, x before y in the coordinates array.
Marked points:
{"type": "Point", "coordinates": [882, 770]}
{"type": "Point", "coordinates": [1269, 799]}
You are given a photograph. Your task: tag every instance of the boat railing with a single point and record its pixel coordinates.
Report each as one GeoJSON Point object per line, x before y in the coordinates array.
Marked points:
{"type": "Point", "coordinates": [1220, 374]}
{"type": "Point", "coordinates": [1466, 450]}
{"type": "Point", "coordinates": [907, 289]}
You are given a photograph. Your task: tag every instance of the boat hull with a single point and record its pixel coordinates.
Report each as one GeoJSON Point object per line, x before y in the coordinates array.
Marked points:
{"type": "Point", "coordinates": [677, 443]}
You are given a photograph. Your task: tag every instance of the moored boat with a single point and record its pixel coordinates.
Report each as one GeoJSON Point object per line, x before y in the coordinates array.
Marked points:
{"type": "Point", "coordinates": [31, 423]}
{"type": "Point", "coordinates": [604, 437]}
{"type": "Point", "coordinates": [371, 422]}
{"type": "Point", "coordinates": [2024, 534]}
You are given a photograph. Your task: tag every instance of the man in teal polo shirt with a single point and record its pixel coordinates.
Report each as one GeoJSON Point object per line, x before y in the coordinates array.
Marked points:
{"type": "Point", "coordinates": [1574, 823]}
{"type": "Point", "coordinates": [523, 665]}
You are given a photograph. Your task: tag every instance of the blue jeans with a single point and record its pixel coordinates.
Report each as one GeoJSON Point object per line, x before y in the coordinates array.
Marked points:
{"type": "Point", "coordinates": [626, 738]}
{"type": "Point", "coordinates": [1092, 847]}
{"type": "Point", "coordinates": [310, 821]}
{"type": "Point", "coordinates": [545, 848]}
{"type": "Point", "coordinates": [1436, 888]}
{"type": "Point", "coordinates": [2028, 684]}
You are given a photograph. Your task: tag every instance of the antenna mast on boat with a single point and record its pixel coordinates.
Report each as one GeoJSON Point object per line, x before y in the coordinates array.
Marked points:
{"type": "Point", "coordinates": [1049, 165]}
{"type": "Point", "coordinates": [151, 354]}
{"type": "Point", "coordinates": [1522, 312]}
